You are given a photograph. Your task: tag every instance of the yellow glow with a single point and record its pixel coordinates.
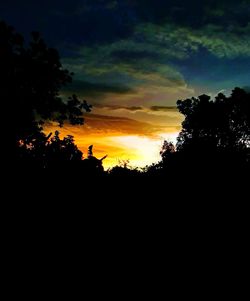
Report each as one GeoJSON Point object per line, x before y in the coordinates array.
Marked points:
{"type": "Point", "coordinates": [140, 151]}
{"type": "Point", "coordinates": [119, 138]}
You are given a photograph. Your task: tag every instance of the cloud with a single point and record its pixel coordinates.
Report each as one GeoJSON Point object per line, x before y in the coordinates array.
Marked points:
{"type": "Point", "coordinates": [101, 22]}
{"type": "Point", "coordinates": [152, 109]}
{"type": "Point", "coordinates": [132, 82]}
{"type": "Point", "coordinates": [163, 108]}
{"type": "Point", "coordinates": [132, 55]}
{"type": "Point", "coordinates": [137, 53]}
{"type": "Point", "coordinates": [140, 73]}
{"type": "Point", "coordinates": [94, 88]}
{"type": "Point", "coordinates": [192, 13]}
{"type": "Point", "coordinates": [158, 115]}
{"type": "Point", "coordinates": [221, 41]}
{"type": "Point", "coordinates": [153, 59]}
{"type": "Point", "coordinates": [96, 124]}
{"type": "Point", "coordinates": [117, 107]}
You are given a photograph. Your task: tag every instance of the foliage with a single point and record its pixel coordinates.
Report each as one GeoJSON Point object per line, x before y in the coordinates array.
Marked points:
{"type": "Point", "coordinates": [31, 79]}
{"type": "Point", "coordinates": [124, 169]}
{"type": "Point", "coordinates": [222, 124]}
{"type": "Point", "coordinates": [215, 135]}
{"type": "Point", "coordinates": [49, 151]}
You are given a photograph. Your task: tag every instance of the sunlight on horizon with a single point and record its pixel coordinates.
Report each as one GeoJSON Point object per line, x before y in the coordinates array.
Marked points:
{"type": "Point", "coordinates": [140, 151]}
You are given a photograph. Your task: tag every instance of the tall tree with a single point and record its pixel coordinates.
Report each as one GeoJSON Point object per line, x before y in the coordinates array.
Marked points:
{"type": "Point", "coordinates": [31, 78]}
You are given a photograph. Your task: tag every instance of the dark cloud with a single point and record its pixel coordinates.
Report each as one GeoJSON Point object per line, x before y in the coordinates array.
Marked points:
{"type": "Point", "coordinates": [103, 21]}
{"type": "Point", "coordinates": [137, 108]}
{"type": "Point", "coordinates": [133, 55]}
{"type": "Point", "coordinates": [163, 108]}
{"type": "Point", "coordinates": [103, 124]}
{"type": "Point", "coordinates": [86, 88]}
{"type": "Point", "coordinates": [75, 22]}
{"type": "Point", "coordinates": [117, 107]}
{"type": "Point", "coordinates": [155, 43]}
{"type": "Point", "coordinates": [194, 13]}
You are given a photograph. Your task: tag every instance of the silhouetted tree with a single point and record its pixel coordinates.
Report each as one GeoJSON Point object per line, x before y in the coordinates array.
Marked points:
{"type": "Point", "coordinates": [216, 131]}
{"type": "Point", "coordinates": [215, 137]}
{"type": "Point", "coordinates": [167, 150]}
{"type": "Point", "coordinates": [220, 124]}
{"type": "Point", "coordinates": [48, 152]}
{"type": "Point", "coordinates": [124, 170]}
{"type": "Point", "coordinates": [31, 78]}
{"type": "Point", "coordinates": [91, 165]}
{"type": "Point", "coordinates": [167, 163]}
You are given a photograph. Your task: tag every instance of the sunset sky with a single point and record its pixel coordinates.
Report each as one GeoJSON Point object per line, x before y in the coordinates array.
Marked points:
{"type": "Point", "coordinates": [133, 59]}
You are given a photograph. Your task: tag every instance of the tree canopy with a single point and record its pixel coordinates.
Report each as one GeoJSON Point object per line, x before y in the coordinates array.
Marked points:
{"type": "Point", "coordinates": [215, 136]}
{"type": "Point", "coordinates": [49, 152]}
{"type": "Point", "coordinates": [31, 78]}
{"type": "Point", "coordinates": [222, 124]}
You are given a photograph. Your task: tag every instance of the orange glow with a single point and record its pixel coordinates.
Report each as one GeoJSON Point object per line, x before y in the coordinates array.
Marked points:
{"type": "Point", "coordinates": [119, 138]}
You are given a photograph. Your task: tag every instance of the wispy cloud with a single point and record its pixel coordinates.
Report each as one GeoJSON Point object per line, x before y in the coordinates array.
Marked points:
{"type": "Point", "coordinates": [89, 88]}
{"type": "Point", "coordinates": [150, 63]}
{"type": "Point", "coordinates": [135, 83]}
{"type": "Point", "coordinates": [137, 108]}
{"type": "Point", "coordinates": [163, 108]}
{"type": "Point", "coordinates": [221, 41]}
{"type": "Point", "coordinates": [164, 53]}
{"type": "Point", "coordinates": [117, 107]}
{"type": "Point", "coordinates": [99, 124]}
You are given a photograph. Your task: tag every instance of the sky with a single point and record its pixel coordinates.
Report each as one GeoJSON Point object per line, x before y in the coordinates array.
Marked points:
{"type": "Point", "coordinates": [133, 59]}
